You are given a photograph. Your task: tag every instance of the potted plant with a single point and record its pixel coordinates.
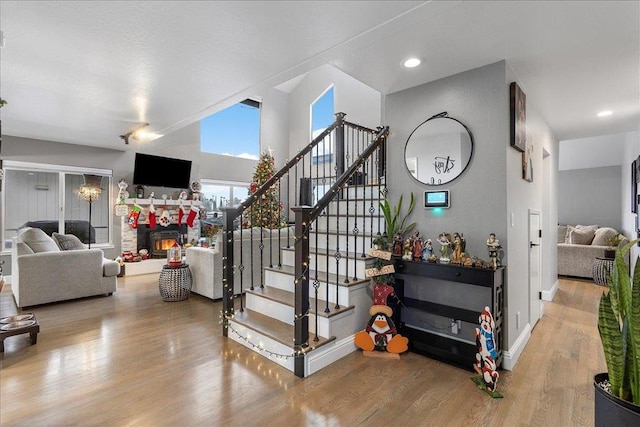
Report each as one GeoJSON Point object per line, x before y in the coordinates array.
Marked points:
{"type": "Point", "coordinates": [395, 225]}
{"type": "Point", "coordinates": [617, 392]}
{"type": "Point", "coordinates": [612, 243]}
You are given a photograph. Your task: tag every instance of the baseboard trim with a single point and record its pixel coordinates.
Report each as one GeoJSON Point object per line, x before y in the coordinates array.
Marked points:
{"type": "Point", "coordinates": [321, 358]}
{"type": "Point", "coordinates": [511, 356]}
{"type": "Point", "coordinates": [548, 295]}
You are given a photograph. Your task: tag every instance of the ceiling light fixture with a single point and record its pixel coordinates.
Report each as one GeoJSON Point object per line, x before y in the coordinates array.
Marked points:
{"type": "Point", "coordinates": [605, 113]}
{"type": "Point", "coordinates": [137, 134]}
{"type": "Point", "coordinates": [412, 62]}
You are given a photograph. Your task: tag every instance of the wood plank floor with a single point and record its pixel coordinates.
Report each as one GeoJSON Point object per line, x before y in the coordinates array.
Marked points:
{"type": "Point", "coordinates": [132, 359]}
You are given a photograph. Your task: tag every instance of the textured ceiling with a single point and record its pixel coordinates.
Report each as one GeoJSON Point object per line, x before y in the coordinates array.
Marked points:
{"type": "Point", "coordinates": [85, 72]}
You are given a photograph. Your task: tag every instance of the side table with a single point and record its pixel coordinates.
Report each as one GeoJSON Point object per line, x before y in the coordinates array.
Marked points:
{"type": "Point", "coordinates": [601, 267]}
{"type": "Point", "coordinates": [175, 282]}
{"type": "Point", "coordinates": [17, 325]}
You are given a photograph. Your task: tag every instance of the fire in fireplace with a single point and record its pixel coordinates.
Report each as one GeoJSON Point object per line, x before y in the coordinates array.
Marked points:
{"type": "Point", "coordinates": [161, 241]}
{"type": "Point", "coordinates": [164, 238]}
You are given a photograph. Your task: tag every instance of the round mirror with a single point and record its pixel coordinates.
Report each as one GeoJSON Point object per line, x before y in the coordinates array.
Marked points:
{"type": "Point", "coordinates": [438, 150]}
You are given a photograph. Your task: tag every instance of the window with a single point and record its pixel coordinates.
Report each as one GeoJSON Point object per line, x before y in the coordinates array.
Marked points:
{"type": "Point", "coordinates": [322, 116]}
{"type": "Point", "coordinates": [234, 131]}
{"type": "Point", "coordinates": [46, 197]}
{"type": "Point", "coordinates": [218, 194]}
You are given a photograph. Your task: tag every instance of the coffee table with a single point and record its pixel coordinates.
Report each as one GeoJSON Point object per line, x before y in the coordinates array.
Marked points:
{"type": "Point", "coordinates": [19, 324]}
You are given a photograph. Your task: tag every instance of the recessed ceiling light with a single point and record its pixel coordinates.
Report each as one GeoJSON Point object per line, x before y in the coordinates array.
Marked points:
{"type": "Point", "coordinates": [605, 113]}
{"type": "Point", "coordinates": [412, 62]}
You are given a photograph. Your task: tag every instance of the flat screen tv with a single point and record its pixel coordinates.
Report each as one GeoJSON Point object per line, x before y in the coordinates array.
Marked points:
{"type": "Point", "coordinates": [159, 171]}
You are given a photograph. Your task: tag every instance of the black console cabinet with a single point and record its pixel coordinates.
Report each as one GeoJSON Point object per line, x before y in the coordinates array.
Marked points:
{"type": "Point", "coordinates": [435, 345]}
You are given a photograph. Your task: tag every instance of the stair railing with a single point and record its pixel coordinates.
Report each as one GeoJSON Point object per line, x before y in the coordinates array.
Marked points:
{"type": "Point", "coordinates": [316, 172]}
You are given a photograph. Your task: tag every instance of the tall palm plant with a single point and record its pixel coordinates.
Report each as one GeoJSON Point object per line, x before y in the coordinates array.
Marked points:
{"type": "Point", "coordinates": [394, 220]}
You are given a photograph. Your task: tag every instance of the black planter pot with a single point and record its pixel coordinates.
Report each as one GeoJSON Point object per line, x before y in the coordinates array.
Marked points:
{"type": "Point", "coordinates": [612, 411]}
{"type": "Point", "coordinates": [610, 253]}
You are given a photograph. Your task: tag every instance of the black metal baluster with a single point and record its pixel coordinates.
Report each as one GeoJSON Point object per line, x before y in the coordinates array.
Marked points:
{"type": "Point", "coordinates": [240, 267]}
{"type": "Point", "coordinates": [337, 255]}
{"type": "Point", "coordinates": [289, 207]}
{"type": "Point", "coordinates": [280, 225]}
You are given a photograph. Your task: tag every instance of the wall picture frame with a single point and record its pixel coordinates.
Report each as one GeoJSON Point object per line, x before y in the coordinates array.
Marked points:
{"type": "Point", "coordinates": [518, 117]}
{"type": "Point", "coordinates": [634, 187]}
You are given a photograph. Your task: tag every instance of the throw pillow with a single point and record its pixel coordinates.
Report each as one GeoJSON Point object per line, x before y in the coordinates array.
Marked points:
{"type": "Point", "coordinates": [67, 242]}
{"type": "Point", "coordinates": [581, 237]}
{"type": "Point", "coordinates": [562, 234]}
{"type": "Point", "coordinates": [38, 240]}
{"type": "Point", "coordinates": [602, 235]}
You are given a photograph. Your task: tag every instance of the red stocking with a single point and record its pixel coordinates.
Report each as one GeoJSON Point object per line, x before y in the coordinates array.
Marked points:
{"type": "Point", "coordinates": [180, 214]}
{"type": "Point", "coordinates": [192, 216]}
{"type": "Point", "coordinates": [152, 216]}
{"type": "Point", "coordinates": [134, 214]}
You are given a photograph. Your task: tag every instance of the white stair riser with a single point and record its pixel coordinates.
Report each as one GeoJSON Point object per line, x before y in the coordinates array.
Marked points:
{"type": "Point", "coordinates": [347, 225]}
{"type": "Point", "coordinates": [285, 282]}
{"type": "Point", "coordinates": [358, 191]}
{"type": "Point", "coordinates": [356, 267]}
{"type": "Point", "coordinates": [355, 242]}
{"type": "Point", "coordinates": [264, 342]}
{"type": "Point", "coordinates": [356, 207]}
{"type": "Point", "coordinates": [274, 309]}
{"type": "Point", "coordinates": [285, 314]}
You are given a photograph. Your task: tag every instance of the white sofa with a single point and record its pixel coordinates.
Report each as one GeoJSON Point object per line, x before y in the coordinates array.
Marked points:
{"type": "Point", "coordinates": [45, 270]}
{"type": "Point", "coordinates": [206, 264]}
{"type": "Point", "coordinates": [578, 250]}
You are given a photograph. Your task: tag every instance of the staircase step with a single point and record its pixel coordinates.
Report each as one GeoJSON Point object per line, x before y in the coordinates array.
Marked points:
{"type": "Point", "coordinates": [274, 329]}
{"type": "Point", "coordinates": [288, 298]}
{"type": "Point", "coordinates": [351, 263]}
{"type": "Point", "coordinates": [322, 276]}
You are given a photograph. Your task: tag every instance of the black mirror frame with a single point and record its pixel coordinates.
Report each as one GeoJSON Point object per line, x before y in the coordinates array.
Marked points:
{"type": "Point", "coordinates": [443, 115]}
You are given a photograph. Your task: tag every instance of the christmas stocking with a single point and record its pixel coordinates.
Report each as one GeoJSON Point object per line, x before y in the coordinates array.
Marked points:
{"type": "Point", "coordinates": [180, 213]}
{"type": "Point", "coordinates": [165, 218]}
{"type": "Point", "coordinates": [192, 216]}
{"type": "Point", "coordinates": [152, 215]}
{"type": "Point", "coordinates": [134, 214]}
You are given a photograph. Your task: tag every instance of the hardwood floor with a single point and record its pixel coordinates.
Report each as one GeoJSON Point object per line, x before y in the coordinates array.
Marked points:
{"type": "Point", "coordinates": [132, 359]}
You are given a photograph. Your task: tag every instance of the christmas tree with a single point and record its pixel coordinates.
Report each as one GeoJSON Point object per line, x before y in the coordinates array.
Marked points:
{"type": "Point", "coordinates": [267, 211]}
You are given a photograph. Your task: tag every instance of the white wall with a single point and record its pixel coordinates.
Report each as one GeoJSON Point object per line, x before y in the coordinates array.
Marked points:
{"type": "Point", "coordinates": [594, 152]}
{"type": "Point", "coordinates": [360, 103]}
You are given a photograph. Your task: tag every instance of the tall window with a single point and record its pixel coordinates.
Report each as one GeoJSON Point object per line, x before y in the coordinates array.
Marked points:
{"type": "Point", "coordinates": [322, 115]}
{"type": "Point", "coordinates": [46, 197]}
{"type": "Point", "coordinates": [234, 131]}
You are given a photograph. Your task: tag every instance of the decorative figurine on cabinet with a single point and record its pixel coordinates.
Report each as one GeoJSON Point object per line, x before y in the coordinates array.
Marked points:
{"type": "Point", "coordinates": [417, 246]}
{"type": "Point", "coordinates": [493, 246]}
{"type": "Point", "coordinates": [407, 249]}
{"type": "Point", "coordinates": [397, 245]}
{"type": "Point", "coordinates": [445, 241]}
{"type": "Point", "coordinates": [427, 249]}
{"type": "Point", "coordinates": [456, 256]}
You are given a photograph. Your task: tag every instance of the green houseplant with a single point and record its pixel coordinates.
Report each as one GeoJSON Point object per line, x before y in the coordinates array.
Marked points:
{"type": "Point", "coordinates": [394, 220]}
{"type": "Point", "coordinates": [612, 243]}
{"type": "Point", "coordinates": [619, 328]}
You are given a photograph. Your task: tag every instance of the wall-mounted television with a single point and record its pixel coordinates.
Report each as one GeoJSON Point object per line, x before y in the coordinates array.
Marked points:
{"type": "Point", "coordinates": [159, 171]}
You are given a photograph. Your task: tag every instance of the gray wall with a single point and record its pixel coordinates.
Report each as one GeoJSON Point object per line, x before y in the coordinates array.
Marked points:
{"type": "Point", "coordinates": [490, 196]}
{"type": "Point", "coordinates": [591, 196]}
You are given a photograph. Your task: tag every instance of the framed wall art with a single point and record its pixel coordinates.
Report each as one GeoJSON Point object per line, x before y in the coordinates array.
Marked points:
{"type": "Point", "coordinates": [634, 187]}
{"type": "Point", "coordinates": [518, 115]}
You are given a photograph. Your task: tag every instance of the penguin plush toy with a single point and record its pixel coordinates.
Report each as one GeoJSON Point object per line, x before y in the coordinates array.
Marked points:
{"type": "Point", "coordinates": [380, 333]}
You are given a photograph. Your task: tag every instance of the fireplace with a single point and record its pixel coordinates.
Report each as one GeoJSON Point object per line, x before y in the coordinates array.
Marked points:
{"type": "Point", "coordinates": [157, 240]}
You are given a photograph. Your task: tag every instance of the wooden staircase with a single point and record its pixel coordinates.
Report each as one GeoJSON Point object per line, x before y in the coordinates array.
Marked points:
{"type": "Point", "coordinates": [266, 323]}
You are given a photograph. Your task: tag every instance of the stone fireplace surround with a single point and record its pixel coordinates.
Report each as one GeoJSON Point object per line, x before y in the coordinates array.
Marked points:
{"type": "Point", "coordinates": [129, 236]}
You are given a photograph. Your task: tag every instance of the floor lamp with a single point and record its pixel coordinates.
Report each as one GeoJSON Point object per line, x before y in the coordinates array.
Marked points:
{"type": "Point", "coordinates": [90, 191]}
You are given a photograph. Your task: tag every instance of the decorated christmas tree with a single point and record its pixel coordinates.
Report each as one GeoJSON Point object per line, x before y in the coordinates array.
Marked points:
{"type": "Point", "coordinates": [267, 211]}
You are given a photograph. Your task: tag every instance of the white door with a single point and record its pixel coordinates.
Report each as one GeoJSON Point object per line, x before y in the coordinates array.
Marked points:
{"type": "Point", "coordinates": [535, 267]}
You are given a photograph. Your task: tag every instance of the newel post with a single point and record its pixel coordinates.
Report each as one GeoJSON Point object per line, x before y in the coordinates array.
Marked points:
{"type": "Point", "coordinates": [228, 267]}
{"type": "Point", "coordinates": [301, 286]}
{"type": "Point", "coordinates": [340, 149]}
